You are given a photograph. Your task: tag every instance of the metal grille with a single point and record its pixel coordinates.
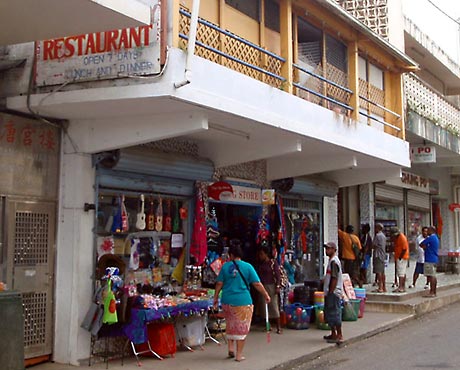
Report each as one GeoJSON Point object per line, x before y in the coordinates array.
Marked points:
{"type": "Point", "coordinates": [34, 318]}
{"type": "Point", "coordinates": [31, 238]}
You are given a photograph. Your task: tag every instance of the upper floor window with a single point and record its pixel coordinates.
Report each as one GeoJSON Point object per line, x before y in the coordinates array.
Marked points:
{"type": "Point", "coordinates": [249, 7]}
{"type": "Point", "coordinates": [272, 15]}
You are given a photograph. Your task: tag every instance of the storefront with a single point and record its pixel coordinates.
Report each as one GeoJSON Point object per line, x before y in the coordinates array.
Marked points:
{"type": "Point", "coordinates": [29, 167]}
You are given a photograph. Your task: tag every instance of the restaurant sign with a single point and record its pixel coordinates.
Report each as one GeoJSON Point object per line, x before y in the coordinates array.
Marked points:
{"type": "Point", "coordinates": [101, 55]}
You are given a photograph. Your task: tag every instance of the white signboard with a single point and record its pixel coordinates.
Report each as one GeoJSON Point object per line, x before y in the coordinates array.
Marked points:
{"type": "Point", "coordinates": [101, 55]}
{"type": "Point", "coordinates": [423, 154]}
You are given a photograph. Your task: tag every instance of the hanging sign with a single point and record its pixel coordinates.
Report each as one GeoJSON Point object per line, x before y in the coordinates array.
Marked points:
{"type": "Point", "coordinates": [268, 197]}
{"type": "Point", "coordinates": [454, 207]}
{"type": "Point", "coordinates": [220, 190]}
{"type": "Point", "coordinates": [225, 192]}
{"type": "Point", "coordinates": [101, 55]}
{"type": "Point", "coordinates": [423, 154]}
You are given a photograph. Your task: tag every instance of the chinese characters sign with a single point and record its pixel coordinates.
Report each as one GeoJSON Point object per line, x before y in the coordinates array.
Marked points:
{"type": "Point", "coordinates": [101, 55]}
{"type": "Point", "coordinates": [29, 151]}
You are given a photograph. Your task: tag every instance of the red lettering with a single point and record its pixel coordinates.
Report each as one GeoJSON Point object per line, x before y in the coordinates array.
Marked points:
{"type": "Point", "coordinates": [100, 44]}
{"type": "Point", "coordinates": [90, 47]}
{"type": "Point", "coordinates": [135, 37]}
{"type": "Point", "coordinates": [124, 40]}
{"type": "Point", "coordinates": [69, 47]}
{"type": "Point", "coordinates": [58, 48]}
{"type": "Point", "coordinates": [80, 39]}
{"type": "Point", "coordinates": [48, 48]}
{"type": "Point", "coordinates": [146, 30]}
{"type": "Point", "coordinates": [27, 136]}
{"type": "Point", "coordinates": [111, 43]}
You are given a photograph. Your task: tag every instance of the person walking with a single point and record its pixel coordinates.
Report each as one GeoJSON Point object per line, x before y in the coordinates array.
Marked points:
{"type": "Point", "coordinates": [401, 251]}
{"type": "Point", "coordinates": [366, 243]}
{"type": "Point", "coordinates": [379, 248]}
{"type": "Point", "coordinates": [269, 274]}
{"type": "Point", "coordinates": [333, 291]}
{"type": "Point", "coordinates": [234, 280]}
{"type": "Point", "coordinates": [431, 247]}
{"type": "Point", "coordinates": [351, 248]}
{"type": "Point", "coordinates": [420, 258]}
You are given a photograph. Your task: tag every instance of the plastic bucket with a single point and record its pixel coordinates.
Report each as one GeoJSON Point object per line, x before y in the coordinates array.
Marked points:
{"type": "Point", "coordinates": [298, 316]}
{"type": "Point", "coordinates": [320, 318]}
{"type": "Point", "coordinates": [350, 310]}
{"type": "Point", "coordinates": [318, 298]}
{"type": "Point", "coordinates": [362, 306]}
{"type": "Point", "coordinates": [360, 292]}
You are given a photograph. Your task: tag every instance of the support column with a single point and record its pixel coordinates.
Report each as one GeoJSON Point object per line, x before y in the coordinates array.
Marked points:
{"type": "Point", "coordinates": [353, 78]}
{"type": "Point", "coordinates": [367, 205]}
{"type": "Point", "coordinates": [286, 43]}
{"type": "Point", "coordinates": [74, 258]}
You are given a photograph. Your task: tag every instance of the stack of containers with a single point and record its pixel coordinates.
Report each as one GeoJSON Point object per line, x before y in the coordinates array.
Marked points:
{"type": "Point", "coordinates": [318, 301]}
{"type": "Point", "coordinates": [361, 295]}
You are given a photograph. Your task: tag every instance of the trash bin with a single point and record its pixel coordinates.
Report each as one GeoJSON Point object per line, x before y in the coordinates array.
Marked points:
{"type": "Point", "coordinates": [11, 331]}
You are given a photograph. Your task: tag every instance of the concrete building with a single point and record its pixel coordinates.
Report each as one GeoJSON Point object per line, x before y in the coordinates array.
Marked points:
{"type": "Point", "coordinates": [296, 96]}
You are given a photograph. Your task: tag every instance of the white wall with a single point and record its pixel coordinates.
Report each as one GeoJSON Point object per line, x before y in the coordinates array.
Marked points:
{"type": "Point", "coordinates": [74, 259]}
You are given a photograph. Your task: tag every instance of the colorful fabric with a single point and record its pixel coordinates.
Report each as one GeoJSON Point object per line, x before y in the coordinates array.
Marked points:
{"type": "Point", "coordinates": [199, 245]}
{"type": "Point", "coordinates": [238, 321]}
{"type": "Point", "coordinates": [234, 289]}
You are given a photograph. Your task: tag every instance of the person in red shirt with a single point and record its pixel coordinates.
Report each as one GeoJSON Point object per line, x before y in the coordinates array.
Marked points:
{"type": "Point", "coordinates": [401, 251]}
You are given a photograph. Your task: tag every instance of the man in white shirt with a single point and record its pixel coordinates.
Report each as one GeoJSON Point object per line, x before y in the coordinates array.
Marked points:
{"type": "Point", "coordinates": [420, 257]}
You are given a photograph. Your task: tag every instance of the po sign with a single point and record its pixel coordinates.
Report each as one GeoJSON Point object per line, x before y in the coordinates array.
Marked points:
{"type": "Point", "coordinates": [423, 154]}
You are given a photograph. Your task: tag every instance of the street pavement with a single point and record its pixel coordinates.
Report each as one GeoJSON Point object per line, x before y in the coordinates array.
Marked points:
{"type": "Point", "coordinates": [293, 347]}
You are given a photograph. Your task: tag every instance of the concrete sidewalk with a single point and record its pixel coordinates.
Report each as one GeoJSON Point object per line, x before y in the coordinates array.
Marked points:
{"type": "Point", "coordinates": [383, 312]}
{"type": "Point", "coordinates": [291, 347]}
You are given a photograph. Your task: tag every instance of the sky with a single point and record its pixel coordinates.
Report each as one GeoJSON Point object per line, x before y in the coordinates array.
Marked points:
{"type": "Point", "coordinates": [438, 26]}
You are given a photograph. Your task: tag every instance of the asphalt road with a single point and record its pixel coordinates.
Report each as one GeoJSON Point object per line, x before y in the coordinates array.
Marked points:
{"type": "Point", "coordinates": [429, 342]}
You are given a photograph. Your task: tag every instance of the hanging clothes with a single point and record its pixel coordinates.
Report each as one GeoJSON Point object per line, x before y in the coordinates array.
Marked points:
{"type": "Point", "coordinates": [199, 246]}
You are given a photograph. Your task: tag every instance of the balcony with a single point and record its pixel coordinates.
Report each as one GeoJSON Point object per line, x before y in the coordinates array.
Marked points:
{"type": "Point", "coordinates": [431, 116]}
{"type": "Point", "coordinates": [308, 75]}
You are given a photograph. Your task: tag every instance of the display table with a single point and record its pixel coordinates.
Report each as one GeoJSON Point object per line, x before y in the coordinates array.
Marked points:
{"type": "Point", "coordinates": [136, 329]}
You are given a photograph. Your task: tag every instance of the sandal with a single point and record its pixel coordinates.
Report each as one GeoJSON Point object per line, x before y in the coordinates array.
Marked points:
{"type": "Point", "coordinates": [279, 331]}
{"type": "Point", "coordinates": [231, 354]}
{"type": "Point", "coordinates": [327, 337]}
{"type": "Point", "coordinates": [241, 359]}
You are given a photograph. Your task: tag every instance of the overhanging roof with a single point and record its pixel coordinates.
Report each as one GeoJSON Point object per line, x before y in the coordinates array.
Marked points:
{"type": "Point", "coordinates": [25, 20]}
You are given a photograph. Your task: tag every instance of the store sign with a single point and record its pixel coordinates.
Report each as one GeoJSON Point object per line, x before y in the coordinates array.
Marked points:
{"type": "Point", "coordinates": [411, 181]}
{"type": "Point", "coordinates": [220, 190]}
{"type": "Point", "coordinates": [423, 154]}
{"type": "Point", "coordinates": [102, 55]}
{"type": "Point", "coordinates": [454, 207]}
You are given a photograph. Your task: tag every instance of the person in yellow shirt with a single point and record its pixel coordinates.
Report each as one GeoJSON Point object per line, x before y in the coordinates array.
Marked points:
{"type": "Point", "coordinates": [350, 260]}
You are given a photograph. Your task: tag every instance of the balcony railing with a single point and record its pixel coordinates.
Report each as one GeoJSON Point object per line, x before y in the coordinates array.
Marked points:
{"type": "Point", "coordinates": [323, 86]}
{"type": "Point", "coordinates": [429, 104]}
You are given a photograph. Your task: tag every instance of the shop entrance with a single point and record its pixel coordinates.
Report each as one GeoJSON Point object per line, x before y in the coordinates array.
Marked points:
{"type": "Point", "coordinates": [234, 221]}
{"type": "Point", "coordinates": [30, 235]}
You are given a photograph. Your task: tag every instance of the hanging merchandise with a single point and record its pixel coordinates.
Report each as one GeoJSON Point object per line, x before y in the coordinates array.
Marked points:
{"type": "Point", "coordinates": [282, 230]}
{"type": "Point", "coordinates": [168, 219]}
{"type": "Point", "coordinates": [105, 245]}
{"type": "Point", "coordinates": [116, 223]}
{"type": "Point", "coordinates": [176, 219]}
{"type": "Point", "coordinates": [124, 216]}
{"type": "Point", "coordinates": [151, 217]}
{"type": "Point", "coordinates": [198, 247]}
{"type": "Point", "coordinates": [159, 216]}
{"type": "Point", "coordinates": [263, 230]}
{"type": "Point", "coordinates": [134, 255]}
{"type": "Point", "coordinates": [140, 219]}
{"type": "Point", "coordinates": [110, 305]}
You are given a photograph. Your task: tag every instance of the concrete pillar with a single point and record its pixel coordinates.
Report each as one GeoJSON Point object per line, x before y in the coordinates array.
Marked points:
{"type": "Point", "coordinates": [74, 258]}
{"type": "Point", "coordinates": [367, 205]}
